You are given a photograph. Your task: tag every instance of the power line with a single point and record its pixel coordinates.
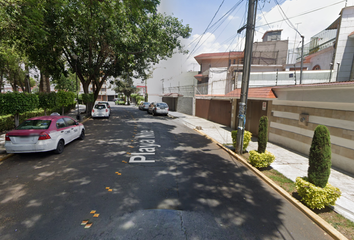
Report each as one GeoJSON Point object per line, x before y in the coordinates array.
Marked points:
{"type": "Point", "coordinates": [207, 27]}
{"type": "Point", "coordinates": [222, 19]}
{"type": "Point", "coordinates": [305, 13]}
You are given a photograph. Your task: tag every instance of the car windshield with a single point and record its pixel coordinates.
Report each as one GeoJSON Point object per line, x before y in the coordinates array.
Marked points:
{"type": "Point", "coordinates": [100, 106]}
{"type": "Point", "coordinates": [34, 124]}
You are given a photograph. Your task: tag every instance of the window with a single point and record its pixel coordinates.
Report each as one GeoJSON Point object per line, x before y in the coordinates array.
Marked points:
{"type": "Point", "coordinates": [60, 123]}
{"type": "Point", "coordinates": [34, 124]}
{"type": "Point", "coordinates": [69, 121]}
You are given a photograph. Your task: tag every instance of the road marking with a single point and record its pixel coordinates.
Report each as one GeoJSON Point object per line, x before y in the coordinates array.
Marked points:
{"type": "Point", "coordinates": [96, 215]}
{"type": "Point", "coordinates": [124, 161]}
{"type": "Point", "coordinates": [93, 211]}
{"type": "Point", "coordinates": [106, 188]}
{"type": "Point", "coordinates": [118, 173]}
{"type": "Point", "coordinates": [84, 222]}
{"type": "Point", "coordinates": [88, 225]}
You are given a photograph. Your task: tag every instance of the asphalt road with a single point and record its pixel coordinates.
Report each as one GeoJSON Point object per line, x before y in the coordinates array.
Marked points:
{"type": "Point", "coordinates": [187, 188]}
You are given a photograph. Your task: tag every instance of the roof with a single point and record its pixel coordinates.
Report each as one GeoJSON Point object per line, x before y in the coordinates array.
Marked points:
{"type": "Point", "coordinates": [308, 58]}
{"type": "Point", "coordinates": [219, 55]}
{"type": "Point", "coordinates": [262, 92]}
{"type": "Point", "coordinates": [198, 76]}
{"type": "Point", "coordinates": [351, 35]}
{"type": "Point", "coordinates": [172, 95]}
{"type": "Point", "coordinates": [334, 25]}
{"type": "Point", "coordinates": [279, 30]}
{"type": "Point", "coordinates": [325, 84]}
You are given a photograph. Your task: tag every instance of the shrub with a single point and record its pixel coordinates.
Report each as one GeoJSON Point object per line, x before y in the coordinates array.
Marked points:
{"type": "Point", "coordinates": [120, 102]}
{"type": "Point", "coordinates": [47, 100]}
{"type": "Point", "coordinates": [65, 99]}
{"type": "Point", "coordinates": [316, 197]}
{"type": "Point", "coordinates": [7, 122]}
{"type": "Point", "coordinates": [87, 98]}
{"type": "Point", "coordinates": [261, 160]}
{"type": "Point", "coordinates": [15, 103]}
{"type": "Point", "coordinates": [246, 139]}
{"type": "Point", "coordinates": [320, 157]}
{"type": "Point", "coordinates": [262, 134]}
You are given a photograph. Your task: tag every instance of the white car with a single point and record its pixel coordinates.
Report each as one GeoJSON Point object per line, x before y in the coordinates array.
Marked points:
{"type": "Point", "coordinates": [101, 110]}
{"type": "Point", "coordinates": [42, 134]}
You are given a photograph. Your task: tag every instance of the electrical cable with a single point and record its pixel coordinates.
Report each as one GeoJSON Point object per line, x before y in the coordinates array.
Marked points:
{"type": "Point", "coordinates": [207, 27]}
{"type": "Point", "coordinates": [222, 19]}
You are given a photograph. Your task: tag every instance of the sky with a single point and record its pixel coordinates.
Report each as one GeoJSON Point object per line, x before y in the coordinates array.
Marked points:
{"type": "Point", "coordinates": [309, 17]}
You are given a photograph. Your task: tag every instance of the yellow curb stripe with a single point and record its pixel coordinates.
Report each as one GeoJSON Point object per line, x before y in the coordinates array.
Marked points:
{"type": "Point", "coordinates": [7, 156]}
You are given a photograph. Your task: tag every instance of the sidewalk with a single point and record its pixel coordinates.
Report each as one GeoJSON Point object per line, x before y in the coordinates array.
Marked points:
{"type": "Point", "coordinates": [290, 164]}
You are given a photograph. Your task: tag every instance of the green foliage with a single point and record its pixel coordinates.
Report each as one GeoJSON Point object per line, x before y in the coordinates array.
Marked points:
{"type": "Point", "coordinates": [66, 83]}
{"type": "Point", "coordinates": [87, 98]}
{"type": "Point", "coordinates": [47, 100]}
{"type": "Point", "coordinates": [246, 138]}
{"type": "Point", "coordinates": [261, 160]}
{"type": "Point", "coordinates": [316, 197]}
{"type": "Point", "coordinates": [7, 121]}
{"type": "Point", "coordinates": [16, 103]}
{"type": "Point", "coordinates": [120, 102]}
{"type": "Point", "coordinates": [139, 99]}
{"type": "Point", "coordinates": [262, 134]}
{"type": "Point", "coordinates": [65, 99]}
{"type": "Point", "coordinates": [320, 157]}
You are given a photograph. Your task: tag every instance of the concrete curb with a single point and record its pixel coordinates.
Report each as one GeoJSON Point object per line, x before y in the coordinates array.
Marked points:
{"type": "Point", "coordinates": [12, 154]}
{"type": "Point", "coordinates": [314, 217]}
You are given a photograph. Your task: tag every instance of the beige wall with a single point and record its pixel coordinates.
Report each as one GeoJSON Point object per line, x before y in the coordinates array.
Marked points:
{"type": "Point", "coordinates": [286, 129]}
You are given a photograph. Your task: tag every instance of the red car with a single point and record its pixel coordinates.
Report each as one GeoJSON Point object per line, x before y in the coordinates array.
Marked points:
{"type": "Point", "coordinates": [45, 133]}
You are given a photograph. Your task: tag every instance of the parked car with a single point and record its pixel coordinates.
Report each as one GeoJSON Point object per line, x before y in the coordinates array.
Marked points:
{"type": "Point", "coordinates": [151, 107]}
{"type": "Point", "coordinates": [101, 110]}
{"type": "Point", "coordinates": [107, 104]}
{"type": "Point", "coordinates": [144, 106]}
{"type": "Point", "coordinates": [160, 108]}
{"type": "Point", "coordinates": [42, 134]}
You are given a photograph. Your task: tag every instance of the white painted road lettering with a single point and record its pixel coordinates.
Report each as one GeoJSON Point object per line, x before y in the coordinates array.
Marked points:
{"type": "Point", "coordinates": [147, 146]}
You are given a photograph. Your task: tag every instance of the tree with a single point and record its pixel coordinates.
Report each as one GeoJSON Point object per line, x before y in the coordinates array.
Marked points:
{"type": "Point", "coordinates": [320, 157]}
{"type": "Point", "coordinates": [66, 83]}
{"type": "Point", "coordinates": [126, 88]}
{"type": "Point", "coordinates": [262, 134]}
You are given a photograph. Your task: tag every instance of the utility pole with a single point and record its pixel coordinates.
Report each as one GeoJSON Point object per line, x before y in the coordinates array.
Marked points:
{"type": "Point", "coordinates": [251, 22]}
{"type": "Point", "coordinates": [302, 56]}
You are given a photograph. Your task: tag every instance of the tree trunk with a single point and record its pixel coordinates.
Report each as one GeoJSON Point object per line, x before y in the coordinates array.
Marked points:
{"type": "Point", "coordinates": [44, 85]}
{"type": "Point", "coordinates": [27, 80]}
{"type": "Point", "coordinates": [17, 119]}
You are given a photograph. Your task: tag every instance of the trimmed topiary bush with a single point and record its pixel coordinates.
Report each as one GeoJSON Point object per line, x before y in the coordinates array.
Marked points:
{"type": "Point", "coordinates": [262, 134]}
{"type": "Point", "coordinates": [320, 157]}
{"type": "Point", "coordinates": [261, 160]}
{"type": "Point", "coordinates": [316, 197]}
{"type": "Point", "coordinates": [246, 139]}
{"type": "Point", "coordinates": [314, 190]}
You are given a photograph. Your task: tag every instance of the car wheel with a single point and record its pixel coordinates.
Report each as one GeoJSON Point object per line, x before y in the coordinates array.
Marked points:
{"type": "Point", "coordinates": [60, 147]}
{"type": "Point", "coordinates": [153, 113]}
{"type": "Point", "coordinates": [82, 135]}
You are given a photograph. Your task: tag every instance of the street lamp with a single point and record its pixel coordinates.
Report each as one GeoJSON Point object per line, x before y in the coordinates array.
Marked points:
{"type": "Point", "coordinates": [78, 117]}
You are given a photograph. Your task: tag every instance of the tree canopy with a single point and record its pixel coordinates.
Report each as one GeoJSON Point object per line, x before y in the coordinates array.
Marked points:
{"type": "Point", "coordinates": [98, 39]}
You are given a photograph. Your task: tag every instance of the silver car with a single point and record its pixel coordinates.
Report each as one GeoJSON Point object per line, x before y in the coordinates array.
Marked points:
{"type": "Point", "coordinates": [101, 110]}
{"type": "Point", "coordinates": [159, 108]}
